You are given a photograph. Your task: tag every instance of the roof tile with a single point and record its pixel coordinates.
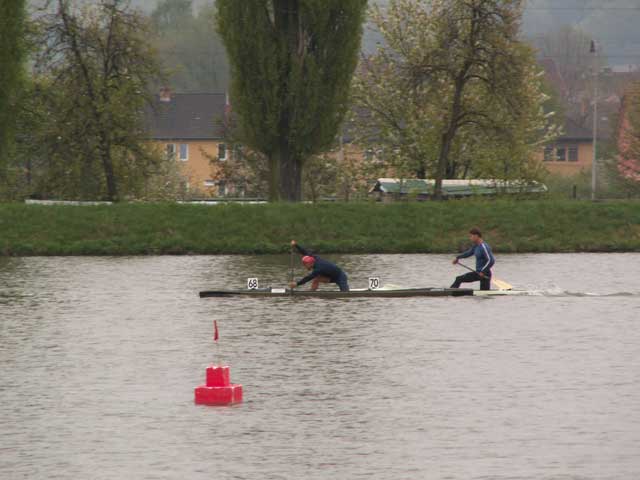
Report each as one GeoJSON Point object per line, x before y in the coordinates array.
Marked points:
{"type": "Point", "coordinates": [187, 116]}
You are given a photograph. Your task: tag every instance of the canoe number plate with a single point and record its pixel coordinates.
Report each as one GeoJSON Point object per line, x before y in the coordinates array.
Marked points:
{"type": "Point", "coordinates": [374, 283]}
{"type": "Point", "coordinates": [252, 283]}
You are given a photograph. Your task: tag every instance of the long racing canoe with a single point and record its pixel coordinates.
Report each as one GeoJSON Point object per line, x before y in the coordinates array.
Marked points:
{"type": "Point", "coordinates": [357, 293]}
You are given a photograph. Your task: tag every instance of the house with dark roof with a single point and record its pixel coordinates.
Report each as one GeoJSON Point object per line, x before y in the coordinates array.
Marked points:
{"type": "Point", "coordinates": [571, 153]}
{"type": "Point", "coordinates": [190, 128]}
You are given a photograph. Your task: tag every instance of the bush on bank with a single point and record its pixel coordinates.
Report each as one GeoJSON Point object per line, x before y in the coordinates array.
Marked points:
{"type": "Point", "coordinates": [428, 227]}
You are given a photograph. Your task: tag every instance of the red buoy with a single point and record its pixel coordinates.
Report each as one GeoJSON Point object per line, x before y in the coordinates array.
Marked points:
{"type": "Point", "coordinates": [218, 389]}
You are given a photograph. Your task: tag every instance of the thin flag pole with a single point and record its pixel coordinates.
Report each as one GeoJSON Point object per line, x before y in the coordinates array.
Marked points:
{"type": "Point", "coordinates": [291, 267]}
{"type": "Point", "coordinates": [216, 337]}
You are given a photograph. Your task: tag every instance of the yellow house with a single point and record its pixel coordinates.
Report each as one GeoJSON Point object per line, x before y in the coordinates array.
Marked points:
{"type": "Point", "coordinates": [190, 129]}
{"type": "Point", "coordinates": [570, 154]}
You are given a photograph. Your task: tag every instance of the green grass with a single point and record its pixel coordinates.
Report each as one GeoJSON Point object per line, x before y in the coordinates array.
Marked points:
{"type": "Point", "coordinates": [430, 227]}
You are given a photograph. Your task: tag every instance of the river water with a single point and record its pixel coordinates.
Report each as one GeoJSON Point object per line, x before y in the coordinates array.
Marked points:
{"type": "Point", "coordinates": [99, 358]}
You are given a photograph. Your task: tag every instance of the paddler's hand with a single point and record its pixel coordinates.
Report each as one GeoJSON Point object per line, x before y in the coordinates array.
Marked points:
{"type": "Point", "coordinates": [292, 285]}
{"type": "Point", "coordinates": [481, 274]}
{"type": "Point", "coordinates": [455, 261]}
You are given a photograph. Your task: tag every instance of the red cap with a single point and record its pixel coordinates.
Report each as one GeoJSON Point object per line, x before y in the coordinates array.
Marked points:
{"type": "Point", "coordinates": [308, 260]}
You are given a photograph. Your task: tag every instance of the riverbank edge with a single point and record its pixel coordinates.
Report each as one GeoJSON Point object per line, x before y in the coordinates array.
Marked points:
{"type": "Point", "coordinates": [509, 226]}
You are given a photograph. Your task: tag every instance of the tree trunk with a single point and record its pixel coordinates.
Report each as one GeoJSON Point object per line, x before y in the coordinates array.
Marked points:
{"type": "Point", "coordinates": [290, 167]}
{"type": "Point", "coordinates": [449, 135]}
{"type": "Point", "coordinates": [274, 178]}
{"type": "Point", "coordinates": [443, 160]}
{"type": "Point", "coordinates": [290, 175]}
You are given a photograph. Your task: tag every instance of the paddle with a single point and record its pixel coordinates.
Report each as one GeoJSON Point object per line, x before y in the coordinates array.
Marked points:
{"type": "Point", "coordinates": [501, 284]}
{"type": "Point", "coordinates": [291, 272]}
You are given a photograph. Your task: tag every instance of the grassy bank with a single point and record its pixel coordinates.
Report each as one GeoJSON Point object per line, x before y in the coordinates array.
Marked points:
{"type": "Point", "coordinates": [141, 229]}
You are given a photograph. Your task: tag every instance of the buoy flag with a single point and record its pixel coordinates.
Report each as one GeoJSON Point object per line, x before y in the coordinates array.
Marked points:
{"type": "Point", "coordinates": [216, 336]}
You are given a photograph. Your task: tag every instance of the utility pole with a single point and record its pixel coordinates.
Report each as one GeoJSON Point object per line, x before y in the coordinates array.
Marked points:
{"type": "Point", "coordinates": [594, 162]}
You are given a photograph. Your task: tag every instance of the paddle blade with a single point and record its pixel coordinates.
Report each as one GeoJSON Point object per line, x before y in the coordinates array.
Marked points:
{"type": "Point", "coordinates": [501, 284]}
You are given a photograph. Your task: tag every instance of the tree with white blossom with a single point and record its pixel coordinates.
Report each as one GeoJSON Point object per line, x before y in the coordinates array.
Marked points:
{"type": "Point", "coordinates": [453, 92]}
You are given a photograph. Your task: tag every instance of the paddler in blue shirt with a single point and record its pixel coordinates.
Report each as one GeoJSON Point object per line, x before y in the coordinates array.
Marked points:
{"type": "Point", "coordinates": [322, 271]}
{"type": "Point", "coordinates": [484, 262]}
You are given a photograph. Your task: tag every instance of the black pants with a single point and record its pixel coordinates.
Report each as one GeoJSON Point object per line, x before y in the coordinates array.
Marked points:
{"type": "Point", "coordinates": [485, 283]}
{"type": "Point", "coordinates": [343, 283]}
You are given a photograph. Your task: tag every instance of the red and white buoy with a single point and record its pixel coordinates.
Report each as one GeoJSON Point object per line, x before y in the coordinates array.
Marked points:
{"type": "Point", "coordinates": [218, 389]}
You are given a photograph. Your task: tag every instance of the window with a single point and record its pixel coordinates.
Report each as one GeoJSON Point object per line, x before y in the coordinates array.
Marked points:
{"type": "Point", "coordinates": [222, 152]}
{"type": "Point", "coordinates": [561, 154]}
{"type": "Point", "coordinates": [222, 188]}
{"type": "Point", "coordinates": [548, 154]}
{"type": "Point", "coordinates": [369, 154]}
{"type": "Point", "coordinates": [573, 154]}
{"type": "Point", "coordinates": [209, 183]}
{"type": "Point", "coordinates": [184, 152]}
{"type": "Point", "coordinates": [170, 149]}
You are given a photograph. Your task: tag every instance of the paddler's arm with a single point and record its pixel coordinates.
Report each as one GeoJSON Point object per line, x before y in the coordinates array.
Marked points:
{"type": "Point", "coordinates": [301, 250]}
{"type": "Point", "coordinates": [308, 278]}
{"type": "Point", "coordinates": [304, 280]}
{"type": "Point", "coordinates": [466, 254]}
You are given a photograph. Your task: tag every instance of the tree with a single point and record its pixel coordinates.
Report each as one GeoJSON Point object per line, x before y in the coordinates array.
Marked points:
{"type": "Point", "coordinates": [291, 63]}
{"type": "Point", "coordinates": [393, 121]}
{"type": "Point", "coordinates": [244, 172]}
{"type": "Point", "coordinates": [319, 177]}
{"type": "Point", "coordinates": [628, 142]}
{"type": "Point", "coordinates": [568, 46]}
{"type": "Point", "coordinates": [453, 83]}
{"type": "Point", "coordinates": [12, 54]}
{"type": "Point", "coordinates": [94, 74]}
{"type": "Point", "coordinates": [353, 174]}
{"type": "Point", "coordinates": [172, 15]}
{"type": "Point", "coordinates": [568, 50]}
{"type": "Point", "coordinates": [189, 47]}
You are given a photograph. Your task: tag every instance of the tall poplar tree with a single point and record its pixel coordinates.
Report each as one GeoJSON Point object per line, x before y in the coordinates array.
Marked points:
{"type": "Point", "coordinates": [12, 30]}
{"type": "Point", "coordinates": [291, 64]}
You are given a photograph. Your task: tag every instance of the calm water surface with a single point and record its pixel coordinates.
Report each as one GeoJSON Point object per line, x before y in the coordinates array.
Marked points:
{"type": "Point", "coordinates": [99, 358]}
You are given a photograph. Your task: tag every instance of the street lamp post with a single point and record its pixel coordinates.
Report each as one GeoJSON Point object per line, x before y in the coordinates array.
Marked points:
{"type": "Point", "coordinates": [594, 164]}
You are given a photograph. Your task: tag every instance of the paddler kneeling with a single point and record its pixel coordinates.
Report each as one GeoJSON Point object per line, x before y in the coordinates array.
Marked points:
{"type": "Point", "coordinates": [322, 271]}
{"type": "Point", "coordinates": [484, 261]}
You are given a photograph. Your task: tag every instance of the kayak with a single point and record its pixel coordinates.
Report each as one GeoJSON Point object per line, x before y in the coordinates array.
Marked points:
{"type": "Point", "coordinates": [355, 293]}
{"type": "Point", "coordinates": [358, 293]}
